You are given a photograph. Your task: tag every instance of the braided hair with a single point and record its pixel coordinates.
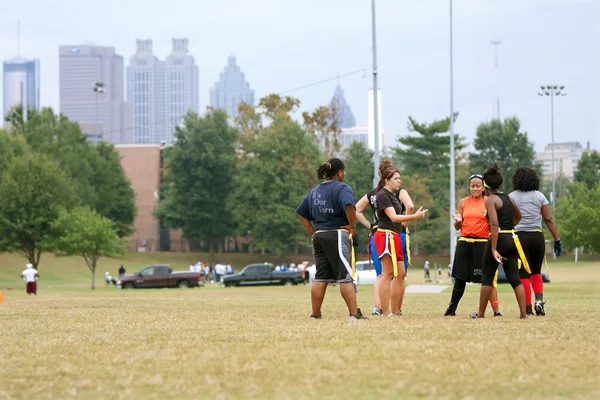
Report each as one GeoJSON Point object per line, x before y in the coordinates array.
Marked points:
{"type": "Point", "coordinates": [525, 179]}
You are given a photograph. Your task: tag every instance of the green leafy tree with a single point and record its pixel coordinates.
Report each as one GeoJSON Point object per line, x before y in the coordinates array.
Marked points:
{"type": "Point", "coordinates": [578, 218]}
{"type": "Point", "coordinates": [10, 147]}
{"type": "Point", "coordinates": [95, 170]}
{"type": "Point", "coordinates": [83, 232]}
{"type": "Point", "coordinates": [276, 170]}
{"type": "Point", "coordinates": [502, 143]}
{"type": "Point", "coordinates": [199, 172]}
{"type": "Point", "coordinates": [425, 157]}
{"type": "Point", "coordinates": [33, 191]}
{"type": "Point", "coordinates": [588, 169]}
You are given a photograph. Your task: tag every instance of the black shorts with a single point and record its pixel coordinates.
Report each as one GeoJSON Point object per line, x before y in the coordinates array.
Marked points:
{"type": "Point", "coordinates": [333, 256]}
{"type": "Point", "coordinates": [507, 249]}
{"type": "Point", "coordinates": [534, 247]}
{"type": "Point", "coordinates": [468, 260]}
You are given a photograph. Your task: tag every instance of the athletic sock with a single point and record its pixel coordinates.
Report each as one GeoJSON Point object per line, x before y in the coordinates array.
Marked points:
{"type": "Point", "coordinates": [527, 286]}
{"type": "Point", "coordinates": [538, 284]}
{"type": "Point", "coordinates": [539, 297]}
{"type": "Point", "coordinates": [457, 292]}
{"type": "Point", "coordinates": [529, 309]}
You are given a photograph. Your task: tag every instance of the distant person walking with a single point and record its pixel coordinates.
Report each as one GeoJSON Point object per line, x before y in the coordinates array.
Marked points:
{"type": "Point", "coordinates": [30, 276]}
{"type": "Point", "coordinates": [122, 271]}
{"type": "Point", "coordinates": [426, 275]}
{"type": "Point", "coordinates": [330, 207]}
{"type": "Point", "coordinates": [534, 207]}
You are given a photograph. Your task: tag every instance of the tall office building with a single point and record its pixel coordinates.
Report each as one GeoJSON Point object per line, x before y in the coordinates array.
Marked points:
{"type": "Point", "coordinates": [146, 94]}
{"type": "Point", "coordinates": [21, 83]}
{"type": "Point", "coordinates": [566, 158]}
{"type": "Point", "coordinates": [344, 115]}
{"type": "Point", "coordinates": [231, 89]}
{"type": "Point", "coordinates": [103, 115]}
{"type": "Point", "coordinates": [181, 86]}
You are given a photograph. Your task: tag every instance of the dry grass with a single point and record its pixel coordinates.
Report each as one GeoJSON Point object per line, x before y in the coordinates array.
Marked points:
{"type": "Point", "coordinates": [258, 343]}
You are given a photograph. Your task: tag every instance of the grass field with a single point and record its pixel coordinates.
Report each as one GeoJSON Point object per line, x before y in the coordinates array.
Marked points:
{"type": "Point", "coordinates": [71, 342]}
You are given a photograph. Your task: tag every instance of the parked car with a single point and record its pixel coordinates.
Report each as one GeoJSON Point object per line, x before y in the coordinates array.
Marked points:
{"type": "Point", "coordinates": [502, 276]}
{"type": "Point", "coordinates": [263, 274]}
{"type": "Point", "coordinates": [160, 276]}
{"type": "Point", "coordinates": [365, 272]}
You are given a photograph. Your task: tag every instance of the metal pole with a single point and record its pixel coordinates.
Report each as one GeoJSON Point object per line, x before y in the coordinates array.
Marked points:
{"type": "Point", "coordinates": [552, 123]}
{"type": "Point", "coordinates": [375, 102]}
{"type": "Point", "coordinates": [96, 124]}
{"type": "Point", "coordinates": [452, 177]}
{"type": "Point", "coordinates": [154, 224]}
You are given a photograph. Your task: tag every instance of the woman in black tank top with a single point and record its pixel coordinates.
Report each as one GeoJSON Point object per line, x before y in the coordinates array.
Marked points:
{"type": "Point", "coordinates": [503, 215]}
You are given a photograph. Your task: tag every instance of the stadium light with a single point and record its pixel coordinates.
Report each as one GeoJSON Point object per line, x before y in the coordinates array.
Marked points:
{"type": "Point", "coordinates": [552, 91]}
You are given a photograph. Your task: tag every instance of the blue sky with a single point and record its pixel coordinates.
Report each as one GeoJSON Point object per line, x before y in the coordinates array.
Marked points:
{"type": "Point", "coordinates": [283, 44]}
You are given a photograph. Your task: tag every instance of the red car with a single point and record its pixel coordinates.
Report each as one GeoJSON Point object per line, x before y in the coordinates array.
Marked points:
{"type": "Point", "coordinates": [160, 276]}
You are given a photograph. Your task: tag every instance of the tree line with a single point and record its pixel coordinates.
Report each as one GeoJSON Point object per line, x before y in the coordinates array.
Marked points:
{"type": "Point", "coordinates": [58, 192]}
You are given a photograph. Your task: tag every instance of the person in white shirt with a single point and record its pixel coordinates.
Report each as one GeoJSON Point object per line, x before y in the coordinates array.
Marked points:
{"type": "Point", "coordinates": [30, 275]}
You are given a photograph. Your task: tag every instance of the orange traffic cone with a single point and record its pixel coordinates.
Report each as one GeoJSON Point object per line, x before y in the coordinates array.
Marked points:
{"type": "Point", "coordinates": [1, 298]}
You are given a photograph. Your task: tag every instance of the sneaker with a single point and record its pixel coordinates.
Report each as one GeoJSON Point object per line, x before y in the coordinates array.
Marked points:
{"type": "Point", "coordinates": [356, 316]}
{"type": "Point", "coordinates": [474, 316]}
{"type": "Point", "coordinates": [399, 313]}
{"type": "Point", "coordinates": [313, 316]}
{"type": "Point", "coordinates": [539, 308]}
{"type": "Point", "coordinates": [529, 314]}
{"type": "Point", "coordinates": [376, 311]}
{"type": "Point", "coordinates": [450, 311]}
{"type": "Point", "coordinates": [391, 315]}
{"type": "Point", "coordinates": [497, 314]}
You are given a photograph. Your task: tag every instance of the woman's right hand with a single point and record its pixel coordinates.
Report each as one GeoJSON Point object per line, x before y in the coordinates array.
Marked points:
{"type": "Point", "coordinates": [497, 256]}
{"type": "Point", "coordinates": [420, 213]}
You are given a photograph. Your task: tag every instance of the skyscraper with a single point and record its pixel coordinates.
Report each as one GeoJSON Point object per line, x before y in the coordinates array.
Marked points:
{"type": "Point", "coordinates": [343, 113]}
{"type": "Point", "coordinates": [181, 86]}
{"type": "Point", "coordinates": [21, 83]}
{"type": "Point", "coordinates": [103, 115]}
{"type": "Point", "coordinates": [231, 89]}
{"type": "Point", "coordinates": [146, 94]}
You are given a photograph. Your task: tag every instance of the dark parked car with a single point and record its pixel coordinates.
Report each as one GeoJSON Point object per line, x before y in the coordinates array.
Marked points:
{"type": "Point", "coordinates": [263, 274]}
{"type": "Point", "coordinates": [160, 276]}
{"type": "Point", "coordinates": [502, 276]}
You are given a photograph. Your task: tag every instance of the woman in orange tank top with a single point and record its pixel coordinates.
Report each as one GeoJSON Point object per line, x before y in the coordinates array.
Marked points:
{"type": "Point", "coordinates": [470, 218]}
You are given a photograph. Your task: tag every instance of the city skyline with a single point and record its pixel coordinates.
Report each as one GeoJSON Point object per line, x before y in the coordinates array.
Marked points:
{"type": "Point", "coordinates": [231, 89]}
{"type": "Point", "coordinates": [21, 84]}
{"type": "Point", "coordinates": [542, 43]}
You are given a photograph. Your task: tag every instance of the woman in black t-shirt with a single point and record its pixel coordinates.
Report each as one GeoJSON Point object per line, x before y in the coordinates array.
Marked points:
{"type": "Point", "coordinates": [387, 239]}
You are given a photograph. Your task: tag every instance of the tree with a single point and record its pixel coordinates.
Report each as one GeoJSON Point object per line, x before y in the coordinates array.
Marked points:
{"type": "Point", "coordinates": [588, 169]}
{"type": "Point", "coordinates": [83, 232]}
{"type": "Point", "coordinates": [502, 143]}
{"type": "Point", "coordinates": [425, 158]}
{"type": "Point", "coordinates": [578, 218]}
{"type": "Point", "coordinates": [199, 172]}
{"type": "Point", "coordinates": [322, 124]}
{"type": "Point", "coordinates": [33, 191]}
{"type": "Point", "coordinates": [95, 170]}
{"type": "Point", "coordinates": [276, 170]}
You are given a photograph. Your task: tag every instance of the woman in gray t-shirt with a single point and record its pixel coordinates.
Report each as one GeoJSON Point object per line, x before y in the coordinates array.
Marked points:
{"type": "Point", "coordinates": [534, 207]}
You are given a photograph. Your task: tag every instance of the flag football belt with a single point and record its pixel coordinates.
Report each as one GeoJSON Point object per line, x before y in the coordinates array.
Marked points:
{"type": "Point", "coordinates": [471, 240]}
{"type": "Point", "coordinates": [545, 258]}
{"type": "Point", "coordinates": [353, 261]}
{"type": "Point", "coordinates": [406, 234]}
{"type": "Point", "coordinates": [519, 249]}
{"type": "Point", "coordinates": [392, 247]}
{"type": "Point", "coordinates": [369, 246]}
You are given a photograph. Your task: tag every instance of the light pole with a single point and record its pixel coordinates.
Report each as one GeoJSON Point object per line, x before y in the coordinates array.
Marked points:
{"type": "Point", "coordinates": [375, 101]}
{"type": "Point", "coordinates": [452, 172]}
{"type": "Point", "coordinates": [551, 91]}
{"type": "Point", "coordinates": [98, 89]}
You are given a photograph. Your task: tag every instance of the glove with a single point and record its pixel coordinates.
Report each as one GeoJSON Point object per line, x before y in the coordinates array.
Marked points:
{"type": "Point", "coordinates": [557, 247]}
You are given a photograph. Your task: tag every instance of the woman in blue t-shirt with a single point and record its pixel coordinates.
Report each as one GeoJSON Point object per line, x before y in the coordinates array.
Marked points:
{"type": "Point", "coordinates": [328, 214]}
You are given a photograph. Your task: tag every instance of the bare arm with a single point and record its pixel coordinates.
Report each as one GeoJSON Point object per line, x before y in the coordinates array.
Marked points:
{"type": "Point", "coordinates": [391, 213]}
{"type": "Point", "coordinates": [404, 197]}
{"type": "Point", "coordinates": [457, 216]}
{"type": "Point", "coordinates": [361, 206]}
{"type": "Point", "coordinates": [550, 222]}
{"type": "Point", "coordinates": [351, 215]}
{"type": "Point", "coordinates": [517, 213]}
{"type": "Point", "coordinates": [307, 225]}
{"type": "Point", "coordinates": [490, 206]}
